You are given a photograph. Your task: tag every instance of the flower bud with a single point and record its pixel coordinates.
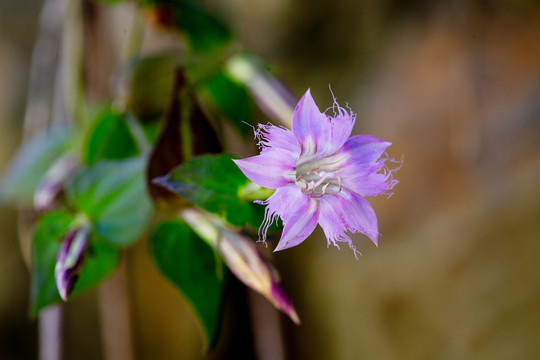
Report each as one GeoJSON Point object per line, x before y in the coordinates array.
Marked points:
{"type": "Point", "coordinates": [70, 259]}
{"type": "Point", "coordinates": [242, 258]}
{"type": "Point", "coordinates": [271, 95]}
{"type": "Point", "coordinates": [50, 185]}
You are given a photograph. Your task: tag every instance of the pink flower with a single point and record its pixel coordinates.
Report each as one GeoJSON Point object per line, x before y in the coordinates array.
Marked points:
{"type": "Point", "coordinates": [321, 175]}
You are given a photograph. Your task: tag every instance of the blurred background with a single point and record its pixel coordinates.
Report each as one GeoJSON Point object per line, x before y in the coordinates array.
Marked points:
{"type": "Point", "coordinates": [455, 86]}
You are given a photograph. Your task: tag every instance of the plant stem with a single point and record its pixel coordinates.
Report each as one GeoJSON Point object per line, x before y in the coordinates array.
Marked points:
{"type": "Point", "coordinates": [265, 326]}
{"type": "Point", "coordinates": [115, 317]}
{"type": "Point", "coordinates": [44, 76]}
{"type": "Point", "coordinates": [50, 333]}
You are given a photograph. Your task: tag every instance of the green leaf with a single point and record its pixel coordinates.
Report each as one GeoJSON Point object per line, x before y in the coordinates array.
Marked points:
{"type": "Point", "coordinates": [100, 261]}
{"type": "Point", "coordinates": [230, 98]}
{"type": "Point", "coordinates": [193, 267]}
{"type": "Point", "coordinates": [109, 139]}
{"type": "Point", "coordinates": [113, 195]}
{"type": "Point", "coordinates": [204, 32]}
{"type": "Point", "coordinates": [23, 175]}
{"type": "Point", "coordinates": [214, 183]}
{"type": "Point", "coordinates": [144, 85]}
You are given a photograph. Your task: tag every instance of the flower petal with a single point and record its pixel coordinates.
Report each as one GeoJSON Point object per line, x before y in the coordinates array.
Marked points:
{"type": "Point", "coordinates": [341, 126]}
{"type": "Point", "coordinates": [272, 169]}
{"type": "Point", "coordinates": [365, 149]}
{"type": "Point", "coordinates": [371, 184]}
{"type": "Point", "coordinates": [311, 128]}
{"type": "Point", "coordinates": [299, 218]}
{"type": "Point", "coordinates": [272, 137]}
{"type": "Point", "coordinates": [297, 211]}
{"type": "Point", "coordinates": [359, 166]}
{"type": "Point", "coordinates": [347, 211]}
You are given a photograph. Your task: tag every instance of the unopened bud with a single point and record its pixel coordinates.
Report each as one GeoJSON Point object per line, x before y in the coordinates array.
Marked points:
{"type": "Point", "coordinates": [70, 259]}
{"type": "Point", "coordinates": [51, 184]}
{"type": "Point", "coordinates": [271, 95]}
{"type": "Point", "coordinates": [242, 258]}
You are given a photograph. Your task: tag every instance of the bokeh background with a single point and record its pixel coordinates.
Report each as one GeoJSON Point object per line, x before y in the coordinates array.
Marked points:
{"type": "Point", "coordinates": [455, 86]}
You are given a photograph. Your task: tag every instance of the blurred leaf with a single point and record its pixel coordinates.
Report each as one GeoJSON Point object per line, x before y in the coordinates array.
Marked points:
{"type": "Point", "coordinates": [168, 151]}
{"type": "Point", "coordinates": [113, 195]}
{"type": "Point", "coordinates": [23, 175]}
{"type": "Point", "coordinates": [101, 260]}
{"type": "Point", "coordinates": [205, 138]}
{"type": "Point", "coordinates": [109, 139]}
{"type": "Point", "coordinates": [195, 269]}
{"type": "Point", "coordinates": [214, 182]}
{"type": "Point", "coordinates": [230, 98]}
{"type": "Point", "coordinates": [270, 93]}
{"type": "Point", "coordinates": [145, 83]}
{"type": "Point", "coordinates": [204, 32]}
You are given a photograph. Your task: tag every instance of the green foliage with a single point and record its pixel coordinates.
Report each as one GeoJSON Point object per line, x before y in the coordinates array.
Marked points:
{"type": "Point", "coordinates": [113, 196]}
{"type": "Point", "coordinates": [230, 98]}
{"type": "Point", "coordinates": [109, 138]}
{"type": "Point", "coordinates": [214, 182]}
{"type": "Point", "coordinates": [101, 260]}
{"type": "Point", "coordinates": [195, 270]}
{"type": "Point", "coordinates": [204, 32]}
{"type": "Point", "coordinates": [32, 161]}
{"type": "Point", "coordinates": [145, 85]}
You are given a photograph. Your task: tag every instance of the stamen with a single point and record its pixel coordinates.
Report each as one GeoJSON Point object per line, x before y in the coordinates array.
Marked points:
{"type": "Point", "coordinates": [324, 188]}
{"type": "Point", "coordinates": [323, 176]}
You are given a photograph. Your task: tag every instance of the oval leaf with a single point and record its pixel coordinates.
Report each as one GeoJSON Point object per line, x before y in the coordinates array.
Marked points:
{"type": "Point", "coordinates": [113, 195]}
{"type": "Point", "coordinates": [109, 139]}
{"type": "Point", "coordinates": [214, 183]}
{"type": "Point", "coordinates": [194, 269]}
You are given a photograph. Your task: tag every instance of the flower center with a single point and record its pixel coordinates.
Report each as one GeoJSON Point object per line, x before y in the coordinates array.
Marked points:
{"type": "Point", "coordinates": [316, 179]}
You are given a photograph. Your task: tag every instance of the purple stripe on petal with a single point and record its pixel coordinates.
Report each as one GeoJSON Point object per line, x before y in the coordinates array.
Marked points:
{"type": "Point", "coordinates": [272, 169]}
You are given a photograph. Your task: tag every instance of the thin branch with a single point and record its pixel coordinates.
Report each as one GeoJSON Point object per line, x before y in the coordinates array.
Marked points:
{"type": "Point", "coordinates": [115, 317]}
{"type": "Point", "coordinates": [38, 113]}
